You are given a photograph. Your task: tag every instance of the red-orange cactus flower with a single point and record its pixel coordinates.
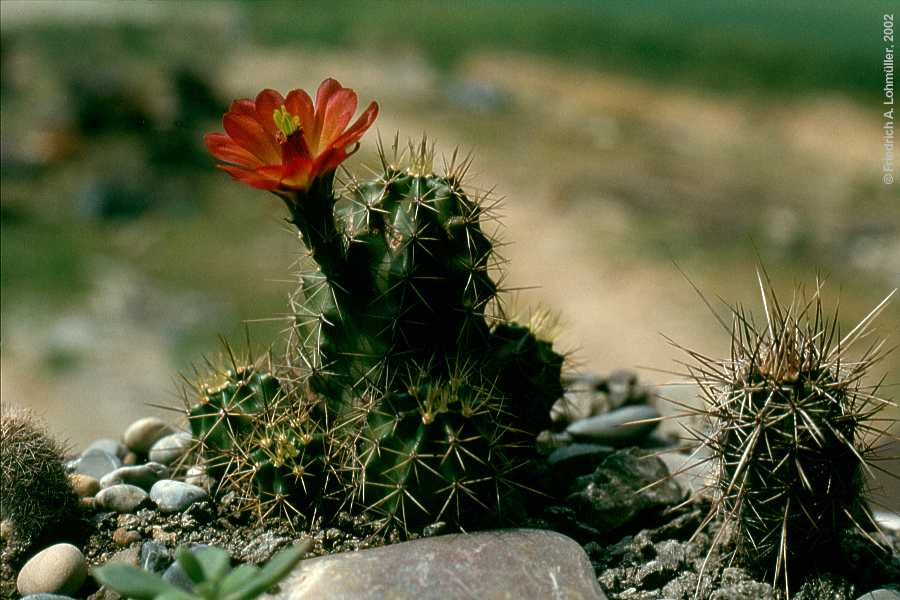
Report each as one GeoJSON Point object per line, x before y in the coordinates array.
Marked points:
{"type": "Point", "coordinates": [283, 144]}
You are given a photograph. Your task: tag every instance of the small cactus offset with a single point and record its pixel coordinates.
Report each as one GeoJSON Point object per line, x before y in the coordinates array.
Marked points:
{"type": "Point", "coordinates": [256, 440]}
{"type": "Point", "coordinates": [791, 430]}
{"type": "Point", "coordinates": [433, 399]}
{"type": "Point", "coordinates": [35, 493]}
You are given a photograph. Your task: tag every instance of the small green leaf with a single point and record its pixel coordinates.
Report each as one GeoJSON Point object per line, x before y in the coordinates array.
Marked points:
{"type": "Point", "coordinates": [215, 561]}
{"type": "Point", "coordinates": [237, 578]}
{"type": "Point", "coordinates": [277, 567]}
{"type": "Point", "coordinates": [190, 564]}
{"type": "Point", "coordinates": [131, 582]}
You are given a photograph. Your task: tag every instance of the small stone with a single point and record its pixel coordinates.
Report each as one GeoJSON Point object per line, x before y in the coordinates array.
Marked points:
{"type": "Point", "coordinates": [517, 563]}
{"type": "Point", "coordinates": [616, 428]}
{"type": "Point", "coordinates": [46, 597]}
{"type": "Point", "coordinates": [176, 576]}
{"type": "Point", "coordinates": [154, 557]}
{"type": "Point", "coordinates": [174, 496]}
{"type": "Point", "coordinates": [172, 447]}
{"type": "Point", "coordinates": [610, 498]}
{"type": "Point", "coordinates": [59, 569]}
{"type": "Point", "coordinates": [121, 498]}
{"type": "Point", "coordinates": [196, 475]}
{"type": "Point", "coordinates": [130, 459]}
{"type": "Point", "coordinates": [143, 476]}
{"type": "Point", "coordinates": [108, 445]}
{"type": "Point", "coordinates": [579, 459]}
{"type": "Point", "coordinates": [96, 463]}
{"type": "Point", "coordinates": [125, 537]}
{"type": "Point", "coordinates": [881, 594]}
{"type": "Point", "coordinates": [143, 433]}
{"type": "Point", "coordinates": [84, 485]}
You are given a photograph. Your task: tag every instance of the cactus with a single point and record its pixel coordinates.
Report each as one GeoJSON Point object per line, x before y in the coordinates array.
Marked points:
{"type": "Point", "coordinates": [442, 450]}
{"type": "Point", "coordinates": [397, 332]}
{"type": "Point", "coordinates": [790, 422]}
{"type": "Point", "coordinates": [256, 440]}
{"type": "Point", "coordinates": [35, 493]}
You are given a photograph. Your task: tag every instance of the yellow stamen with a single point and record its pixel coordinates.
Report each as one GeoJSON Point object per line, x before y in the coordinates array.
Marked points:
{"type": "Point", "coordinates": [285, 122]}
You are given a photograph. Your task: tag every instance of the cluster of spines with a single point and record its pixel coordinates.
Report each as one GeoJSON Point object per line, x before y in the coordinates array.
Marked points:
{"type": "Point", "coordinates": [35, 493]}
{"type": "Point", "coordinates": [444, 449]}
{"type": "Point", "coordinates": [277, 451]}
{"type": "Point", "coordinates": [790, 423]}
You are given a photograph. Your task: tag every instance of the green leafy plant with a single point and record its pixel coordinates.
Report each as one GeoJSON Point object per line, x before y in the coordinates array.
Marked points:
{"type": "Point", "coordinates": [210, 571]}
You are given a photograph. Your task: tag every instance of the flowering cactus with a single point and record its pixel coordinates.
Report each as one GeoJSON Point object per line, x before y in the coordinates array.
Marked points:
{"type": "Point", "coordinates": [437, 397]}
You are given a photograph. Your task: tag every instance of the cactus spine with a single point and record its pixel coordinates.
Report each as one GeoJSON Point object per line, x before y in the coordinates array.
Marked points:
{"type": "Point", "coordinates": [790, 428]}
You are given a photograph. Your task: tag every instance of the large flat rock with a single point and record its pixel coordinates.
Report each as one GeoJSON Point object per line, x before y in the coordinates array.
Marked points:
{"type": "Point", "coordinates": [519, 564]}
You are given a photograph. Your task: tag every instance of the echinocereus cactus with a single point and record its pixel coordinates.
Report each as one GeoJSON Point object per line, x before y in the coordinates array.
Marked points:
{"type": "Point", "coordinates": [789, 423]}
{"type": "Point", "coordinates": [398, 312]}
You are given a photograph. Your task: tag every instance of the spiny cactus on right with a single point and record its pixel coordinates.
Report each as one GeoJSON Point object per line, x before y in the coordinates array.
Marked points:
{"type": "Point", "coordinates": [791, 430]}
{"type": "Point", "coordinates": [35, 493]}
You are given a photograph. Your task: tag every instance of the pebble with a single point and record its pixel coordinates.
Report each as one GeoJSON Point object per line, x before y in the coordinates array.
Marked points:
{"type": "Point", "coordinates": [196, 475]}
{"type": "Point", "coordinates": [108, 445]}
{"type": "Point", "coordinates": [176, 576]}
{"type": "Point", "coordinates": [96, 463]}
{"type": "Point", "coordinates": [142, 476]}
{"type": "Point", "coordinates": [130, 459]}
{"type": "Point", "coordinates": [515, 563]}
{"type": "Point", "coordinates": [610, 498]}
{"type": "Point", "coordinates": [172, 447]}
{"type": "Point", "coordinates": [59, 569]}
{"type": "Point", "coordinates": [125, 537]}
{"type": "Point", "coordinates": [154, 557]}
{"type": "Point", "coordinates": [84, 485]}
{"type": "Point", "coordinates": [615, 428]}
{"type": "Point", "coordinates": [881, 594]}
{"type": "Point", "coordinates": [46, 597]}
{"type": "Point", "coordinates": [174, 496]}
{"type": "Point", "coordinates": [120, 498]}
{"type": "Point", "coordinates": [142, 434]}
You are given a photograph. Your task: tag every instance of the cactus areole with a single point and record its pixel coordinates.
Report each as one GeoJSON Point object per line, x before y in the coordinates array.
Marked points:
{"type": "Point", "coordinates": [433, 398]}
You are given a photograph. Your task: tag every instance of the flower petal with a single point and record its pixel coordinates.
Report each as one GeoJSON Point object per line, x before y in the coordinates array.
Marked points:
{"type": "Point", "coordinates": [263, 181]}
{"type": "Point", "coordinates": [300, 104]}
{"type": "Point", "coordinates": [225, 149]}
{"type": "Point", "coordinates": [243, 106]}
{"type": "Point", "coordinates": [357, 130]}
{"type": "Point", "coordinates": [249, 134]}
{"type": "Point", "coordinates": [267, 102]}
{"type": "Point", "coordinates": [336, 114]}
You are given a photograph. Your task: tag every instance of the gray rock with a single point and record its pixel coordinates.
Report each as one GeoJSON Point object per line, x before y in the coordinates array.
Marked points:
{"type": "Point", "coordinates": [172, 447]}
{"type": "Point", "coordinates": [175, 496]}
{"type": "Point", "coordinates": [46, 597]}
{"type": "Point", "coordinates": [197, 475]}
{"type": "Point", "coordinates": [120, 498]}
{"type": "Point", "coordinates": [737, 584]}
{"type": "Point", "coordinates": [610, 497]}
{"type": "Point", "coordinates": [691, 473]}
{"type": "Point", "coordinates": [588, 395]}
{"type": "Point", "coordinates": [142, 476]}
{"type": "Point", "coordinates": [143, 433]}
{"type": "Point", "coordinates": [59, 569]}
{"type": "Point", "coordinates": [578, 459]}
{"type": "Point", "coordinates": [881, 594]}
{"type": "Point", "coordinates": [615, 428]}
{"type": "Point", "coordinates": [176, 576]}
{"type": "Point", "coordinates": [510, 564]}
{"type": "Point", "coordinates": [96, 463]}
{"type": "Point", "coordinates": [154, 557]}
{"type": "Point", "coordinates": [108, 445]}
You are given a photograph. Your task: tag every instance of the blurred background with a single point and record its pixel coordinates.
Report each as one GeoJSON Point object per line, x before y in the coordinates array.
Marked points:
{"type": "Point", "coordinates": [625, 136]}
